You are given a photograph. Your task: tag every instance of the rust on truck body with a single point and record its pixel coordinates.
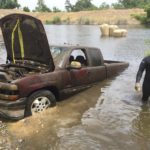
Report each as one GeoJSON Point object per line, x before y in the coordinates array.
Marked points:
{"type": "Point", "coordinates": [35, 66]}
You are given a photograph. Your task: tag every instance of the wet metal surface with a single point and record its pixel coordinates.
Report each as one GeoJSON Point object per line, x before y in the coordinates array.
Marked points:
{"type": "Point", "coordinates": [107, 116]}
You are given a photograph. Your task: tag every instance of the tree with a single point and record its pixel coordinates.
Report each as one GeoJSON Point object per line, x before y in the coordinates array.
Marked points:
{"type": "Point", "coordinates": [144, 18]}
{"type": "Point", "coordinates": [117, 6]}
{"type": "Point", "coordinates": [104, 5]}
{"type": "Point", "coordinates": [55, 9]}
{"type": "Point", "coordinates": [134, 3]}
{"type": "Point", "coordinates": [84, 5]}
{"type": "Point", "coordinates": [68, 6]}
{"type": "Point", "coordinates": [41, 7]}
{"type": "Point", "coordinates": [9, 4]}
{"type": "Point", "coordinates": [129, 3]}
{"type": "Point", "coordinates": [2, 3]}
{"type": "Point", "coordinates": [147, 10]}
{"type": "Point", "coordinates": [26, 9]}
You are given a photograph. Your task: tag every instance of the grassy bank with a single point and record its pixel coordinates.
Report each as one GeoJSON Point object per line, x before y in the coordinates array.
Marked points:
{"type": "Point", "coordinates": [111, 16]}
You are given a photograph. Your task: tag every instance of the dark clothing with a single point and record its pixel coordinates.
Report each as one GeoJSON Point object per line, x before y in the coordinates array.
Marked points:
{"type": "Point", "coordinates": [145, 65]}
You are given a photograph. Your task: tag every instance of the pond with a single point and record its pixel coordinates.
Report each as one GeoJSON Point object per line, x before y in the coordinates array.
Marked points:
{"type": "Point", "coordinates": [107, 116]}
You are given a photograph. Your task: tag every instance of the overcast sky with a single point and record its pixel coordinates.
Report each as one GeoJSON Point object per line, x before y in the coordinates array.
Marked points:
{"type": "Point", "coordinates": [58, 3]}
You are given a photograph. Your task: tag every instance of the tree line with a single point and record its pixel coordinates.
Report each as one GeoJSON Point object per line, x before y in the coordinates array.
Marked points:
{"type": "Point", "coordinates": [13, 4]}
{"type": "Point", "coordinates": [80, 5]}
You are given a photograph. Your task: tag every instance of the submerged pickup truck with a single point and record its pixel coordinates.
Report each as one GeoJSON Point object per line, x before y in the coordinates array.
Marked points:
{"type": "Point", "coordinates": [36, 75]}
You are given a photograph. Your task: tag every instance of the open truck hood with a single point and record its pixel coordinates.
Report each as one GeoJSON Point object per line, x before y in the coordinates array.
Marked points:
{"type": "Point", "coordinates": [25, 39]}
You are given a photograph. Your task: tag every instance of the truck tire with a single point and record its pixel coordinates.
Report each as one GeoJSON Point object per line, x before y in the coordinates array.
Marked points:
{"type": "Point", "coordinates": [39, 101]}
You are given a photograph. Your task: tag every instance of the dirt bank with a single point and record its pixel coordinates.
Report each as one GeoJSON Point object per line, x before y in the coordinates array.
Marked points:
{"type": "Point", "coordinates": [111, 16]}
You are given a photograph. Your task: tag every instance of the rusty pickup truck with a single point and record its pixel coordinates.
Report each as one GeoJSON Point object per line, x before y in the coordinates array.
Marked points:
{"type": "Point", "coordinates": [36, 75]}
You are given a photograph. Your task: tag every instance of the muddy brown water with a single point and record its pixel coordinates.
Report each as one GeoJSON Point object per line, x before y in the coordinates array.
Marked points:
{"type": "Point", "coordinates": [108, 116]}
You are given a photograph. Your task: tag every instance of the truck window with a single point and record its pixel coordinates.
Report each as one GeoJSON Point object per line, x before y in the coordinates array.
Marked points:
{"type": "Point", "coordinates": [78, 55]}
{"type": "Point", "coordinates": [95, 57]}
{"type": "Point", "coordinates": [58, 54]}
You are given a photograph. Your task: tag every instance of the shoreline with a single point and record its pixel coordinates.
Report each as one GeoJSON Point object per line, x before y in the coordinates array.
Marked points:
{"type": "Point", "coordinates": [95, 17]}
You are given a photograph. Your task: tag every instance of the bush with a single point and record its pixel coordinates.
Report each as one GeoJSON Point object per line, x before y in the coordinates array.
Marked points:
{"type": "Point", "coordinates": [48, 22]}
{"type": "Point", "coordinates": [84, 21]}
{"type": "Point", "coordinates": [26, 9]}
{"type": "Point", "coordinates": [55, 20]}
{"type": "Point", "coordinates": [144, 19]}
{"type": "Point", "coordinates": [140, 17]}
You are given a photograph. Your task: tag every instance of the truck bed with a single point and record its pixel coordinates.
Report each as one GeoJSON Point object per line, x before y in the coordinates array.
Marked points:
{"type": "Point", "coordinates": [114, 67]}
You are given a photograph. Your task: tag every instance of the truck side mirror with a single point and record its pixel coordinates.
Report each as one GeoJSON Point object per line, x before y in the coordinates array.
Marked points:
{"type": "Point", "coordinates": [75, 65]}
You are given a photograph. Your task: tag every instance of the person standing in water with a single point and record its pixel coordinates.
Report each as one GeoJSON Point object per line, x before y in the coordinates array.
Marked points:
{"type": "Point", "coordinates": [144, 66]}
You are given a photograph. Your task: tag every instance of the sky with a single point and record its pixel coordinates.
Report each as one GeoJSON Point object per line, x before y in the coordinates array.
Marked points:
{"type": "Point", "coordinates": [58, 3]}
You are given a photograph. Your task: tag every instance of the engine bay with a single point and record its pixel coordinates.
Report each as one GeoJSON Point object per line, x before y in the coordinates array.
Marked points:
{"type": "Point", "coordinates": [10, 71]}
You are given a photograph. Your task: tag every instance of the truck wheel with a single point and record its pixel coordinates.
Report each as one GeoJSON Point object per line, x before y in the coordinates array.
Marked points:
{"type": "Point", "coordinates": [39, 101]}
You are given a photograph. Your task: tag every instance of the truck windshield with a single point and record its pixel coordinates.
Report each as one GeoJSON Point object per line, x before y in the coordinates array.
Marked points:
{"type": "Point", "coordinates": [58, 54]}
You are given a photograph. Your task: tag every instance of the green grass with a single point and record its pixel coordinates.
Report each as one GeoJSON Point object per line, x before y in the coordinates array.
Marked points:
{"type": "Point", "coordinates": [55, 20]}
{"type": "Point", "coordinates": [84, 21]}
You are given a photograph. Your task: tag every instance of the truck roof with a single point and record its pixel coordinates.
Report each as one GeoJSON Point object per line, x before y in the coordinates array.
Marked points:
{"type": "Point", "coordinates": [75, 46]}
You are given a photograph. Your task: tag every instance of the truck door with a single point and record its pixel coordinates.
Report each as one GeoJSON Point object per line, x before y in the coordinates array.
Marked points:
{"type": "Point", "coordinates": [97, 70]}
{"type": "Point", "coordinates": [79, 77]}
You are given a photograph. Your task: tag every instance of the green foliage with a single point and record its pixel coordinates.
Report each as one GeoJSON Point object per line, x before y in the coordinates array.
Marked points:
{"type": "Point", "coordinates": [117, 6]}
{"type": "Point", "coordinates": [147, 10]}
{"type": "Point", "coordinates": [104, 5]}
{"type": "Point", "coordinates": [26, 9]}
{"type": "Point", "coordinates": [55, 9]}
{"type": "Point", "coordinates": [144, 19]}
{"type": "Point", "coordinates": [41, 7]}
{"type": "Point", "coordinates": [68, 6]}
{"type": "Point", "coordinates": [130, 4]}
{"type": "Point", "coordinates": [48, 22]}
{"type": "Point", "coordinates": [9, 4]}
{"type": "Point", "coordinates": [55, 20]}
{"type": "Point", "coordinates": [84, 21]}
{"type": "Point", "coordinates": [140, 17]}
{"type": "Point", "coordinates": [82, 5]}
